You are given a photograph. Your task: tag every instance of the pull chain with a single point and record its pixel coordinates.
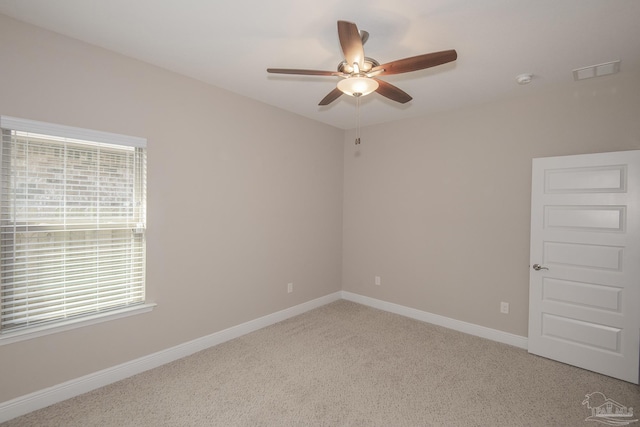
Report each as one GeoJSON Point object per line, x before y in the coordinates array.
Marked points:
{"type": "Point", "coordinates": [357, 120]}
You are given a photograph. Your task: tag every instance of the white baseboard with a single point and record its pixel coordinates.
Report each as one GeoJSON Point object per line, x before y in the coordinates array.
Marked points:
{"type": "Point", "coordinates": [24, 404]}
{"type": "Point", "coordinates": [42, 398]}
{"type": "Point", "coordinates": [447, 322]}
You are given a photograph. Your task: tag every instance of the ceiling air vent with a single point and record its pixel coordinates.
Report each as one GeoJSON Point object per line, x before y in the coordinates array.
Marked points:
{"type": "Point", "coordinates": [596, 70]}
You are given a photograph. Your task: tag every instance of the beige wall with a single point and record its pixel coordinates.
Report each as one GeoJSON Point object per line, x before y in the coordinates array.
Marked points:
{"type": "Point", "coordinates": [242, 199]}
{"type": "Point", "coordinates": [439, 207]}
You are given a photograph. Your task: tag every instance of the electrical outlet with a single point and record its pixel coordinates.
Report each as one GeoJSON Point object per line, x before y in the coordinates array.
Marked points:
{"type": "Point", "coordinates": [289, 287]}
{"type": "Point", "coordinates": [504, 307]}
{"type": "Point", "coordinates": [377, 280]}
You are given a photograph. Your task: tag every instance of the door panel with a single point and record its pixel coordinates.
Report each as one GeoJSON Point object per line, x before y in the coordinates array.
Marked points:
{"type": "Point", "coordinates": [586, 179]}
{"type": "Point", "coordinates": [582, 294]}
{"type": "Point", "coordinates": [582, 255]}
{"type": "Point", "coordinates": [586, 218]}
{"type": "Point", "coordinates": [585, 231]}
{"type": "Point", "coordinates": [576, 331]}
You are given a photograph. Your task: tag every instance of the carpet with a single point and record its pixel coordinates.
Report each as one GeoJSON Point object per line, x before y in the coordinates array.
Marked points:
{"type": "Point", "coordinates": [345, 364]}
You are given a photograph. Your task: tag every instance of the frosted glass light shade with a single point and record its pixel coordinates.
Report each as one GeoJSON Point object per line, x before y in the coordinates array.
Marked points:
{"type": "Point", "coordinates": [357, 86]}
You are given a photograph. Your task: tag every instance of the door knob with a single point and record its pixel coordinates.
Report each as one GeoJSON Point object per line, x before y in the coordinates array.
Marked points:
{"type": "Point", "coordinates": [538, 267]}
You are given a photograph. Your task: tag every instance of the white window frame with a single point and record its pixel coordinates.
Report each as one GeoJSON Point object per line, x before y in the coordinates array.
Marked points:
{"type": "Point", "coordinates": [24, 125]}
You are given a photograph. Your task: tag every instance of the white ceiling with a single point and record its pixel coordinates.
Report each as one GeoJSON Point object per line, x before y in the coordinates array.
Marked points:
{"type": "Point", "coordinates": [231, 43]}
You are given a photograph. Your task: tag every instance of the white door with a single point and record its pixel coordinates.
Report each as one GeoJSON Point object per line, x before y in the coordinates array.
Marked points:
{"type": "Point", "coordinates": [584, 283]}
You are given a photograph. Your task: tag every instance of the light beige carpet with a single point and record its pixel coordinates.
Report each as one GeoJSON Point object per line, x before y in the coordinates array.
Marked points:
{"type": "Point", "coordinates": [345, 364]}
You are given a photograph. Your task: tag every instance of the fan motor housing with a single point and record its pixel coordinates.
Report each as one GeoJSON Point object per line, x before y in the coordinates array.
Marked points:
{"type": "Point", "coordinates": [369, 63]}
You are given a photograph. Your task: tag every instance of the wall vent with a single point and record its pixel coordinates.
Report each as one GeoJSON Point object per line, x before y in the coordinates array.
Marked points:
{"type": "Point", "coordinates": [596, 70]}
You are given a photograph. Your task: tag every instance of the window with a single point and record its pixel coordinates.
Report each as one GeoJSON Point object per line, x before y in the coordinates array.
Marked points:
{"type": "Point", "coordinates": [72, 224]}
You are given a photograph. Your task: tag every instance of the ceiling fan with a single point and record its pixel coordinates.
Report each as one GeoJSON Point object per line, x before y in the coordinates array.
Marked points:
{"type": "Point", "coordinates": [359, 73]}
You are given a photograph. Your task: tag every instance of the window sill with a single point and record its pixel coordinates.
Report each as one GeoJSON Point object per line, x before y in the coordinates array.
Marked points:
{"type": "Point", "coordinates": [39, 331]}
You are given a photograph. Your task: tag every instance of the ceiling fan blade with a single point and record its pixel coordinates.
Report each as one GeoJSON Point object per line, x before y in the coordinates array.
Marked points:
{"type": "Point", "coordinates": [332, 96]}
{"type": "Point", "coordinates": [351, 43]}
{"type": "Point", "coordinates": [392, 92]}
{"type": "Point", "coordinates": [415, 63]}
{"type": "Point", "coordinates": [303, 72]}
{"type": "Point", "coordinates": [364, 35]}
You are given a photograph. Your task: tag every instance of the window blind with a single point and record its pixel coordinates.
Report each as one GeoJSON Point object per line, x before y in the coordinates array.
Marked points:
{"type": "Point", "coordinates": [72, 222]}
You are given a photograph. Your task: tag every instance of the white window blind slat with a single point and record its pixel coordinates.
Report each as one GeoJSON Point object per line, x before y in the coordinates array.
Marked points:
{"type": "Point", "coordinates": [75, 303]}
{"type": "Point", "coordinates": [50, 293]}
{"type": "Point", "coordinates": [70, 132]}
{"type": "Point", "coordinates": [80, 294]}
{"type": "Point", "coordinates": [72, 221]}
{"type": "Point", "coordinates": [45, 284]}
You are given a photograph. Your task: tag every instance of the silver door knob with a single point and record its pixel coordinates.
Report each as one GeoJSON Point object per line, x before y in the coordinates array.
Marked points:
{"type": "Point", "coordinates": [538, 267]}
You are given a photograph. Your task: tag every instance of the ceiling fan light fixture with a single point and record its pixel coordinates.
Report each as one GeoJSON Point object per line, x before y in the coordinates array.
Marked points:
{"type": "Point", "coordinates": [357, 85]}
{"type": "Point", "coordinates": [360, 73]}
